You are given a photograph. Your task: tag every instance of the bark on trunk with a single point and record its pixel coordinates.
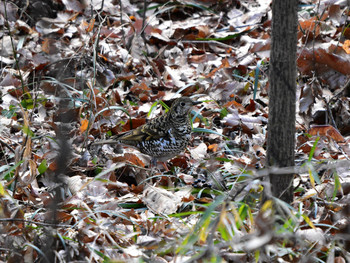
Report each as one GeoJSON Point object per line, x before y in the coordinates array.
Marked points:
{"type": "Point", "coordinates": [281, 128]}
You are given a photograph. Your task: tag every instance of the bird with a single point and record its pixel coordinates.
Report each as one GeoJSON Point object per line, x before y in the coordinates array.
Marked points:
{"type": "Point", "coordinates": [163, 137]}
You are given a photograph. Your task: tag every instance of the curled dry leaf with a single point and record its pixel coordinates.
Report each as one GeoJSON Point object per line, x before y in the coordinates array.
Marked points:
{"type": "Point", "coordinates": [326, 130]}
{"type": "Point", "coordinates": [131, 158]}
{"type": "Point", "coordinates": [163, 202]}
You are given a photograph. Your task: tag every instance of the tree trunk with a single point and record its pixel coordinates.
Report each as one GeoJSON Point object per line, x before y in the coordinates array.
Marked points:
{"type": "Point", "coordinates": [282, 95]}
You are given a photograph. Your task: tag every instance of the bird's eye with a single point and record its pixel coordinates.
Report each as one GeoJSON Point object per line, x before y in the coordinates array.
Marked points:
{"type": "Point", "coordinates": [182, 104]}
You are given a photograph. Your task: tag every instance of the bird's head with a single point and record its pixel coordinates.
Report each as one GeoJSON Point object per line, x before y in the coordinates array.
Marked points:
{"type": "Point", "coordinates": [182, 107]}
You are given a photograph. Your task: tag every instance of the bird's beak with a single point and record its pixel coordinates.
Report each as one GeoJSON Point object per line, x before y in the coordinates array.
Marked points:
{"type": "Point", "coordinates": [196, 102]}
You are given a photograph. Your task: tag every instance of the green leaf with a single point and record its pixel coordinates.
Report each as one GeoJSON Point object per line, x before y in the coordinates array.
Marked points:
{"type": "Point", "coordinates": [94, 161]}
{"type": "Point", "coordinates": [27, 104]}
{"type": "Point", "coordinates": [224, 233]}
{"type": "Point", "coordinates": [105, 258]}
{"type": "Point", "coordinates": [337, 185]}
{"type": "Point", "coordinates": [192, 238]}
{"type": "Point", "coordinates": [153, 107]}
{"type": "Point", "coordinates": [166, 107]}
{"type": "Point", "coordinates": [243, 211]}
{"type": "Point", "coordinates": [311, 154]}
{"type": "Point", "coordinates": [183, 214]}
{"type": "Point", "coordinates": [10, 112]}
{"type": "Point", "coordinates": [308, 221]}
{"type": "Point", "coordinates": [10, 170]}
{"type": "Point", "coordinates": [223, 113]}
{"type": "Point", "coordinates": [221, 159]}
{"type": "Point", "coordinates": [27, 131]}
{"type": "Point", "coordinates": [43, 167]}
{"type": "Point", "coordinates": [2, 190]}
{"type": "Point", "coordinates": [257, 255]}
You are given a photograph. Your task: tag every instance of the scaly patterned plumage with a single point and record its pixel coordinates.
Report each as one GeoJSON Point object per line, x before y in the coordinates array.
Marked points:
{"type": "Point", "coordinates": [163, 137]}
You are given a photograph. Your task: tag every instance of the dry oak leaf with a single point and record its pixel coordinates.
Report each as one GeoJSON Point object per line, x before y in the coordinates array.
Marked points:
{"type": "Point", "coordinates": [346, 46]}
{"type": "Point", "coordinates": [326, 130]}
{"type": "Point", "coordinates": [84, 125]}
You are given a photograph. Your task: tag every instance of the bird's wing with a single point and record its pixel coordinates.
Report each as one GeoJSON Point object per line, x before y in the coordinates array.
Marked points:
{"type": "Point", "coordinates": [153, 130]}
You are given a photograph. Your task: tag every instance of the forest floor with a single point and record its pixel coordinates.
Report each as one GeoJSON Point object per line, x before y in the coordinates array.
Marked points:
{"type": "Point", "coordinates": [74, 73]}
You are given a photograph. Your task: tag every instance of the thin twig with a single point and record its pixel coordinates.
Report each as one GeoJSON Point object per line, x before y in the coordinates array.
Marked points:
{"type": "Point", "coordinates": [7, 146]}
{"type": "Point", "coordinates": [6, 220]}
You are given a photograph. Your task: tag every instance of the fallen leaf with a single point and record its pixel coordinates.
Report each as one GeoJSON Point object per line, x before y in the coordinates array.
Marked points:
{"type": "Point", "coordinates": [326, 130]}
